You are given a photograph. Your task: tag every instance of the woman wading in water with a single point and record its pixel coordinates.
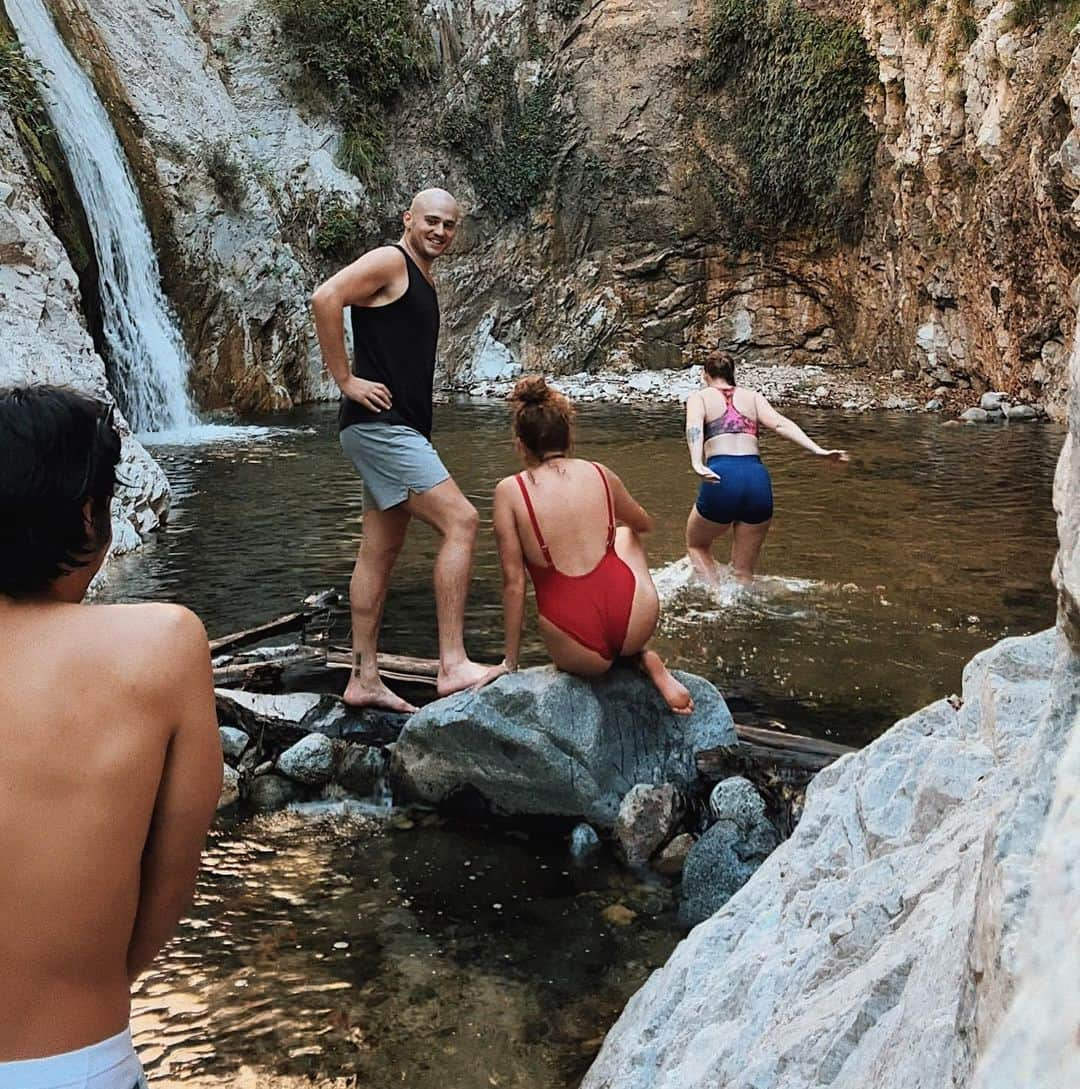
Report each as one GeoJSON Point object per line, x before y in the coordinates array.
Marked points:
{"type": "Point", "coordinates": [558, 519]}
{"type": "Point", "coordinates": [722, 423]}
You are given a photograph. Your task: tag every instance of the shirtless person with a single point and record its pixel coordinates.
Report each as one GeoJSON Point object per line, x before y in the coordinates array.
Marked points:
{"type": "Point", "coordinates": [110, 762]}
{"type": "Point", "coordinates": [385, 425]}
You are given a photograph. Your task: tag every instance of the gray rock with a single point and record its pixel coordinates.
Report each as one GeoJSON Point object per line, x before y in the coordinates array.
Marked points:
{"type": "Point", "coordinates": [362, 771]}
{"type": "Point", "coordinates": [310, 761]}
{"type": "Point", "coordinates": [268, 793]}
{"type": "Point", "coordinates": [976, 415]}
{"type": "Point", "coordinates": [583, 841]}
{"type": "Point", "coordinates": [671, 860]}
{"type": "Point", "coordinates": [544, 742]}
{"type": "Point", "coordinates": [933, 405]}
{"type": "Point", "coordinates": [889, 923]}
{"type": "Point", "coordinates": [647, 817]}
{"type": "Point", "coordinates": [233, 742]}
{"type": "Point", "coordinates": [991, 401]}
{"type": "Point", "coordinates": [230, 788]}
{"type": "Point", "coordinates": [729, 852]}
{"type": "Point", "coordinates": [1021, 412]}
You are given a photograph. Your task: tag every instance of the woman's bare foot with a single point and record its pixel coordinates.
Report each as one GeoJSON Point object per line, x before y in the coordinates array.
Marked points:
{"type": "Point", "coordinates": [676, 695]}
{"type": "Point", "coordinates": [360, 694]}
{"type": "Point", "coordinates": [457, 678]}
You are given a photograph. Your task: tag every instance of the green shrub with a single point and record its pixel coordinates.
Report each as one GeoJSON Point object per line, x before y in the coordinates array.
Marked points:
{"type": "Point", "coordinates": [227, 175]}
{"type": "Point", "coordinates": [338, 232]}
{"type": "Point", "coordinates": [564, 9]}
{"type": "Point", "coordinates": [358, 55]}
{"type": "Point", "coordinates": [969, 28]}
{"type": "Point", "coordinates": [19, 88]}
{"type": "Point", "coordinates": [793, 115]}
{"type": "Point", "coordinates": [924, 32]}
{"type": "Point", "coordinates": [509, 141]}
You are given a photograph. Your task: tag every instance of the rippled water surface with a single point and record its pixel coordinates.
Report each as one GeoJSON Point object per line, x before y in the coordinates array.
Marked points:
{"type": "Point", "coordinates": [881, 578]}
{"type": "Point", "coordinates": [412, 953]}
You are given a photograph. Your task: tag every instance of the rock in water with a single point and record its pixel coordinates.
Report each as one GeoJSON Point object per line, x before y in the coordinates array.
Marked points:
{"type": "Point", "coordinates": [583, 842]}
{"type": "Point", "coordinates": [671, 860]}
{"type": "Point", "coordinates": [268, 793]}
{"type": "Point", "coordinates": [230, 788]}
{"type": "Point", "coordinates": [647, 817]}
{"type": "Point", "coordinates": [310, 761]}
{"type": "Point", "coordinates": [725, 858]}
{"type": "Point", "coordinates": [546, 743]}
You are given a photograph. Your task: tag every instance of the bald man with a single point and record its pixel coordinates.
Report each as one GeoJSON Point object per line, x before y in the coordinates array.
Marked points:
{"type": "Point", "coordinates": [385, 429]}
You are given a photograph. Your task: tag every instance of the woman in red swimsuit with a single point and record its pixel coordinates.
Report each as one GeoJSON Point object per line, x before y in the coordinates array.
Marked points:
{"type": "Point", "coordinates": [559, 519]}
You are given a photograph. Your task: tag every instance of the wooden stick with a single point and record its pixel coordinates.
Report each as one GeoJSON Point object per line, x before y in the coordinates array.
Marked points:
{"type": "Point", "coordinates": [396, 667]}
{"type": "Point", "coordinates": [292, 622]}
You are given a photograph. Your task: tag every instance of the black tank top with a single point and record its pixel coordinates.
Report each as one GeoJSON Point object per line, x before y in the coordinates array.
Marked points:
{"type": "Point", "coordinates": [395, 344]}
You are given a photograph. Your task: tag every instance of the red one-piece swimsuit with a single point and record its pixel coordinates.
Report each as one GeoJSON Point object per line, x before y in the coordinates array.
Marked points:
{"type": "Point", "coordinates": [594, 608]}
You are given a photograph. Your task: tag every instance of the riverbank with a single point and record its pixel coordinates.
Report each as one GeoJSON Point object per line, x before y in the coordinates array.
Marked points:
{"type": "Point", "coordinates": [854, 389]}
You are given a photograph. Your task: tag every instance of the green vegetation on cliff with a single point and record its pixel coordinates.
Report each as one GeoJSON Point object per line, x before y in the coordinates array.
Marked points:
{"type": "Point", "coordinates": [18, 89]}
{"type": "Point", "coordinates": [793, 85]}
{"type": "Point", "coordinates": [358, 55]}
{"type": "Point", "coordinates": [508, 139]}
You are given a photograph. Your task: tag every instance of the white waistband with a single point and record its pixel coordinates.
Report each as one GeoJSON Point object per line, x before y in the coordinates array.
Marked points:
{"type": "Point", "coordinates": [87, 1066]}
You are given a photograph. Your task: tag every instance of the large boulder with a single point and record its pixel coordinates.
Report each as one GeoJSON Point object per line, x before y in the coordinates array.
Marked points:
{"type": "Point", "coordinates": [544, 742]}
{"type": "Point", "coordinates": [879, 944]}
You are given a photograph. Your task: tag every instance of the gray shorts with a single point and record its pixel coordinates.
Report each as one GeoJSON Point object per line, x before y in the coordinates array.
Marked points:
{"type": "Point", "coordinates": [393, 461]}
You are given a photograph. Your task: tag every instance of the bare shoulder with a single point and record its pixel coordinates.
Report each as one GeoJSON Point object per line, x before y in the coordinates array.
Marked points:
{"type": "Point", "coordinates": [156, 634]}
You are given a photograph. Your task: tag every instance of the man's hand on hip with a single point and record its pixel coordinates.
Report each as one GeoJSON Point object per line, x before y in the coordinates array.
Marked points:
{"type": "Point", "coordinates": [374, 396]}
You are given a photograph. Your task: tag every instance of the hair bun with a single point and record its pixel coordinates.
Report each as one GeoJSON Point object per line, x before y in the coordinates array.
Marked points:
{"type": "Point", "coordinates": [531, 390]}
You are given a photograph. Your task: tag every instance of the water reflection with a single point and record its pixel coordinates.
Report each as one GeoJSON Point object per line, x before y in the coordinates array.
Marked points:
{"type": "Point", "coordinates": [882, 578]}
{"type": "Point", "coordinates": [418, 956]}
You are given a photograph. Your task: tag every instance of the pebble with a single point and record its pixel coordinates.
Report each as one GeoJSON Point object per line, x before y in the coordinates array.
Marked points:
{"type": "Point", "coordinates": [618, 915]}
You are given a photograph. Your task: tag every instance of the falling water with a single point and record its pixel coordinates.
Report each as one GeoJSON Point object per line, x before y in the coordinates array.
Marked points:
{"type": "Point", "coordinates": [151, 364]}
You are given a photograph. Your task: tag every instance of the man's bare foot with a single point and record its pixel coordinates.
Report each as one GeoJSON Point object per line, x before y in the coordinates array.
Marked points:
{"type": "Point", "coordinates": [360, 694]}
{"type": "Point", "coordinates": [464, 675]}
{"type": "Point", "coordinates": [675, 693]}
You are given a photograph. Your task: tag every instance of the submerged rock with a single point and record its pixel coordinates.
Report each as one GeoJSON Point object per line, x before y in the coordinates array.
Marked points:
{"type": "Point", "coordinates": [729, 852]}
{"type": "Point", "coordinates": [270, 792]}
{"type": "Point", "coordinates": [546, 743]}
{"type": "Point", "coordinates": [647, 817]}
{"type": "Point", "coordinates": [671, 860]}
{"type": "Point", "coordinates": [877, 946]}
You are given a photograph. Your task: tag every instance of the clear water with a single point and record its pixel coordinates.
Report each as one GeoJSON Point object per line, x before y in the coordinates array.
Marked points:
{"type": "Point", "coordinates": [146, 349]}
{"type": "Point", "coordinates": [407, 952]}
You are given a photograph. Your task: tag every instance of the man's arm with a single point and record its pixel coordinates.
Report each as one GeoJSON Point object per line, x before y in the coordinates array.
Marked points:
{"type": "Point", "coordinates": [187, 793]}
{"type": "Point", "coordinates": [354, 285]}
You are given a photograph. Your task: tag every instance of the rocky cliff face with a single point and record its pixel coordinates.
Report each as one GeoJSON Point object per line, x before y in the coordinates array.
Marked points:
{"type": "Point", "coordinates": [602, 191]}
{"type": "Point", "coordinates": [43, 340]}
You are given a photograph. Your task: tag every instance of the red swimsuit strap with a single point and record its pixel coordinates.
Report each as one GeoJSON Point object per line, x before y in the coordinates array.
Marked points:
{"type": "Point", "coordinates": [610, 507]}
{"type": "Point", "coordinates": [532, 518]}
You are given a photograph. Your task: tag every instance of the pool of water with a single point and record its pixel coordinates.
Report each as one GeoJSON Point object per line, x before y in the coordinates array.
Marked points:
{"type": "Point", "coordinates": [880, 578]}
{"type": "Point", "coordinates": [410, 952]}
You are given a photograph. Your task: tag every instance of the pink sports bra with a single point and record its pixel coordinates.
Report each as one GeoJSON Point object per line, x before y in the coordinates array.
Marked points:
{"type": "Point", "coordinates": [733, 422]}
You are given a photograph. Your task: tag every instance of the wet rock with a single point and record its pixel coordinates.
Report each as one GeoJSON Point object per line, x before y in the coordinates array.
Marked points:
{"type": "Point", "coordinates": [1020, 412]}
{"type": "Point", "coordinates": [991, 401]}
{"type": "Point", "coordinates": [975, 415]}
{"type": "Point", "coordinates": [269, 793]}
{"type": "Point", "coordinates": [933, 405]}
{"type": "Point", "coordinates": [310, 761]}
{"type": "Point", "coordinates": [647, 817]}
{"type": "Point", "coordinates": [230, 788]}
{"type": "Point", "coordinates": [583, 841]}
{"type": "Point", "coordinates": [671, 860]}
{"type": "Point", "coordinates": [544, 742]}
{"type": "Point", "coordinates": [729, 852]}
{"type": "Point", "coordinates": [233, 742]}
{"type": "Point", "coordinates": [362, 770]}
{"type": "Point", "coordinates": [618, 915]}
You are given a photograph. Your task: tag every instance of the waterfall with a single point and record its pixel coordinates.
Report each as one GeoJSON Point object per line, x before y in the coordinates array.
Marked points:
{"type": "Point", "coordinates": [147, 351]}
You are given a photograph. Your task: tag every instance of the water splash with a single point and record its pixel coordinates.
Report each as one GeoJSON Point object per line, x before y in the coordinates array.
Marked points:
{"type": "Point", "coordinates": [145, 347]}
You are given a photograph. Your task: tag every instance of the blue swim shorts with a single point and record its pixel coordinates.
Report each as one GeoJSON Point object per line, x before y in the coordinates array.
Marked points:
{"type": "Point", "coordinates": [744, 493]}
{"type": "Point", "coordinates": [393, 460]}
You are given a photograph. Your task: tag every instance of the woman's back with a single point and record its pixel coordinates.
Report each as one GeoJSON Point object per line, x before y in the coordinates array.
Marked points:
{"type": "Point", "coordinates": [570, 502]}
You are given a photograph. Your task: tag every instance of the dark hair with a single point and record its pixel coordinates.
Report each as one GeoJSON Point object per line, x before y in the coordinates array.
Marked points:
{"type": "Point", "coordinates": [721, 364]}
{"type": "Point", "coordinates": [543, 417]}
{"type": "Point", "coordinates": [58, 449]}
